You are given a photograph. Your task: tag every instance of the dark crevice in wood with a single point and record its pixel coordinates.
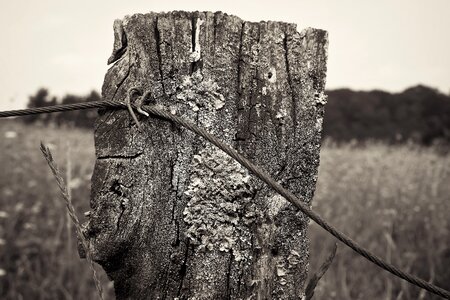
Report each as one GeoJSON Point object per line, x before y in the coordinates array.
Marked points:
{"type": "Point", "coordinates": [177, 239]}
{"type": "Point", "coordinates": [282, 169]}
{"type": "Point", "coordinates": [118, 55]}
{"type": "Point", "coordinates": [240, 61]}
{"type": "Point", "coordinates": [174, 205]}
{"type": "Point", "coordinates": [193, 31]}
{"type": "Point", "coordinates": [214, 37]}
{"type": "Point", "coordinates": [195, 64]}
{"type": "Point", "coordinates": [196, 118]}
{"type": "Point", "coordinates": [171, 173]}
{"type": "Point", "coordinates": [183, 269]}
{"type": "Point", "coordinates": [120, 156]}
{"type": "Point", "coordinates": [158, 53]}
{"type": "Point", "coordinates": [288, 180]}
{"type": "Point", "coordinates": [229, 275]}
{"type": "Point", "coordinates": [120, 42]}
{"type": "Point", "coordinates": [119, 219]}
{"type": "Point", "coordinates": [238, 138]}
{"type": "Point", "coordinates": [119, 189]}
{"type": "Point", "coordinates": [122, 81]}
{"type": "Point", "coordinates": [288, 72]}
{"type": "Point", "coordinates": [215, 29]}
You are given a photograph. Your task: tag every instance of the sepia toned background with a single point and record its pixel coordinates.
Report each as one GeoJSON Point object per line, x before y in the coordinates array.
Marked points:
{"type": "Point", "coordinates": [384, 177]}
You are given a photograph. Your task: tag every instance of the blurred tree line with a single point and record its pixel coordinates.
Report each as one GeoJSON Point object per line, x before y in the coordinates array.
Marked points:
{"type": "Point", "coordinates": [78, 118]}
{"type": "Point", "coordinates": [419, 114]}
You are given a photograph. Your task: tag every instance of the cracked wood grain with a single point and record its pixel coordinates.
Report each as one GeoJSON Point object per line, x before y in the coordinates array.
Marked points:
{"type": "Point", "coordinates": [173, 217]}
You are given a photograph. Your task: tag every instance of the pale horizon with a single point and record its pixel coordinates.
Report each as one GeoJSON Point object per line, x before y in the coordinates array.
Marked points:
{"type": "Point", "coordinates": [381, 45]}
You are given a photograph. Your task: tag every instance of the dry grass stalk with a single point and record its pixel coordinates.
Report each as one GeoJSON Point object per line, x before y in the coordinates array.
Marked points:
{"type": "Point", "coordinates": [71, 211]}
{"type": "Point", "coordinates": [309, 292]}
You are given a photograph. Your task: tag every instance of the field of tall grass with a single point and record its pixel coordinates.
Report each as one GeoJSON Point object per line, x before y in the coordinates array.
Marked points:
{"type": "Point", "coordinates": [395, 200]}
{"type": "Point", "coordinates": [392, 199]}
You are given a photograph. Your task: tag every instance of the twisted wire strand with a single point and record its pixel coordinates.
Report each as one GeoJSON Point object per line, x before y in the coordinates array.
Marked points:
{"type": "Point", "coordinates": [259, 172]}
{"type": "Point", "coordinates": [59, 108]}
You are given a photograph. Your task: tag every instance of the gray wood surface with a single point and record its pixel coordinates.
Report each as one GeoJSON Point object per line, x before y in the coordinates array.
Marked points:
{"type": "Point", "coordinates": [172, 216]}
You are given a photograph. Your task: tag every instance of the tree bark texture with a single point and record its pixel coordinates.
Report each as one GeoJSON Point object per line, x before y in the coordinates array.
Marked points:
{"type": "Point", "coordinates": [172, 216]}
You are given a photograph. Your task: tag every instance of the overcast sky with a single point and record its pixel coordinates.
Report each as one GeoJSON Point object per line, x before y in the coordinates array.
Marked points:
{"type": "Point", "coordinates": [64, 45]}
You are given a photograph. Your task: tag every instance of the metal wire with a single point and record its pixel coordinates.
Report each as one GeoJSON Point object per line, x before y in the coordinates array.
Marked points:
{"type": "Point", "coordinates": [259, 172]}
{"type": "Point", "coordinates": [60, 108]}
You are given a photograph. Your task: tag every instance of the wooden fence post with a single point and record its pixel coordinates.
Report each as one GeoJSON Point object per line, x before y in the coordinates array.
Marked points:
{"type": "Point", "coordinates": [174, 217]}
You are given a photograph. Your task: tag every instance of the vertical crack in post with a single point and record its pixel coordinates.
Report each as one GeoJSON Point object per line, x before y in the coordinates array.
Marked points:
{"type": "Point", "coordinates": [288, 72]}
{"type": "Point", "coordinates": [122, 81]}
{"type": "Point", "coordinates": [193, 32]}
{"type": "Point", "coordinates": [158, 53]}
{"type": "Point", "coordinates": [183, 269]}
{"type": "Point", "coordinates": [229, 275]}
{"type": "Point", "coordinates": [196, 63]}
{"type": "Point", "coordinates": [240, 61]}
{"type": "Point", "coordinates": [214, 38]}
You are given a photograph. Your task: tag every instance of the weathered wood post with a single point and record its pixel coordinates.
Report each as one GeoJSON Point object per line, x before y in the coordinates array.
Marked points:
{"type": "Point", "coordinates": [174, 217]}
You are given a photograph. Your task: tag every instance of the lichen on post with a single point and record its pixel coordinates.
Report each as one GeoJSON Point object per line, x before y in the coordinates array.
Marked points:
{"type": "Point", "coordinates": [174, 217]}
